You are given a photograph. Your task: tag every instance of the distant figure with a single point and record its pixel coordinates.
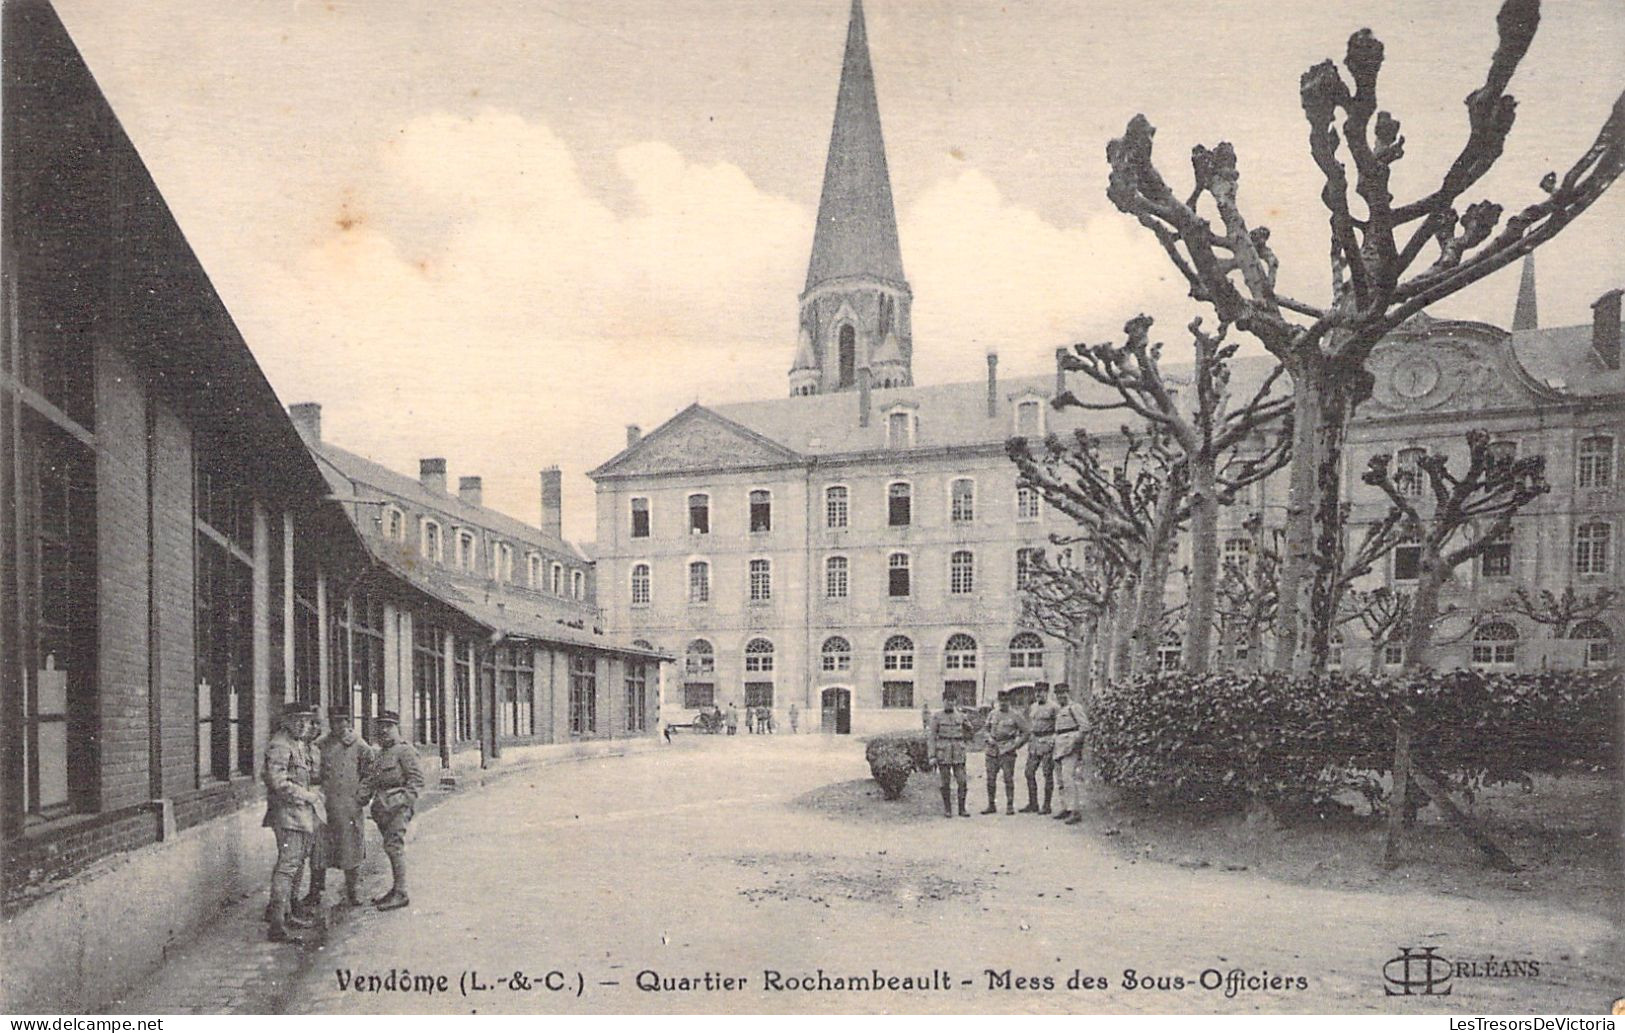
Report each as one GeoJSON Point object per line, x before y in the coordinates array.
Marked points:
{"type": "Point", "coordinates": [1006, 733]}
{"type": "Point", "coordinates": [925, 715]}
{"type": "Point", "coordinates": [795, 716]}
{"type": "Point", "coordinates": [946, 738]}
{"type": "Point", "coordinates": [767, 719]}
{"type": "Point", "coordinates": [732, 719]}
{"type": "Point", "coordinates": [750, 720]}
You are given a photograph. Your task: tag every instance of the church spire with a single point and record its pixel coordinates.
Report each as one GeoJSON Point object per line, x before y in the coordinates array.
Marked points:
{"type": "Point", "coordinates": [857, 225]}
{"type": "Point", "coordinates": [856, 303]}
{"type": "Point", "coordinates": [1524, 316]}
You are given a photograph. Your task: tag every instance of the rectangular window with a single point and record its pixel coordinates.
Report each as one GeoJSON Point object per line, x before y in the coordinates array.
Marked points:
{"type": "Point", "coordinates": [583, 695]}
{"type": "Point", "coordinates": [1592, 546]}
{"type": "Point", "coordinates": [897, 580]}
{"type": "Point", "coordinates": [1029, 420]}
{"type": "Point", "coordinates": [962, 573]}
{"type": "Point", "coordinates": [899, 430]}
{"type": "Point", "coordinates": [1408, 476]}
{"type": "Point", "coordinates": [699, 582]}
{"type": "Point", "coordinates": [699, 514]}
{"type": "Point", "coordinates": [962, 509]}
{"type": "Point", "coordinates": [759, 694]}
{"type": "Point", "coordinates": [1024, 566]}
{"type": "Point", "coordinates": [899, 505]}
{"type": "Point", "coordinates": [699, 695]}
{"type": "Point", "coordinates": [835, 577]}
{"type": "Point", "coordinates": [963, 693]}
{"type": "Point", "coordinates": [513, 668]}
{"type": "Point", "coordinates": [463, 690]}
{"type": "Point", "coordinates": [1407, 560]}
{"type": "Point", "coordinates": [637, 696]}
{"type": "Point", "coordinates": [640, 518]}
{"type": "Point", "coordinates": [1026, 503]}
{"type": "Point", "coordinates": [761, 512]}
{"type": "Point", "coordinates": [355, 653]}
{"type": "Point", "coordinates": [835, 507]}
{"type": "Point", "coordinates": [1393, 654]}
{"type": "Point", "coordinates": [641, 586]}
{"type": "Point", "coordinates": [761, 581]}
{"type": "Point", "coordinates": [1496, 559]}
{"type": "Point", "coordinates": [224, 618]}
{"type": "Point", "coordinates": [1596, 462]}
{"type": "Point", "coordinates": [897, 695]}
{"type": "Point", "coordinates": [428, 681]}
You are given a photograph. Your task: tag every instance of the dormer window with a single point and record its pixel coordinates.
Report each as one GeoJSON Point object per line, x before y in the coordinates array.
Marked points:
{"type": "Point", "coordinates": [433, 544]}
{"type": "Point", "coordinates": [1030, 418]}
{"type": "Point", "coordinates": [900, 429]}
{"type": "Point", "coordinates": [578, 584]}
{"type": "Point", "coordinates": [394, 524]}
{"type": "Point", "coordinates": [557, 584]}
{"type": "Point", "coordinates": [502, 562]}
{"type": "Point", "coordinates": [533, 571]}
{"type": "Point", "coordinates": [467, 551]}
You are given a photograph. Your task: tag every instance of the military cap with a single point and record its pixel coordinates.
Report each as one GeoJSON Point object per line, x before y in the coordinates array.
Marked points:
{"type": "Point", "coordinates": [295, 708]}
{"type": "Point", "coordinates": [339, 711]}
{"type": "Point", "coordinates": [389, 717]}
{"type": "Point", "coordinates": [1062, 687]}
{"type": "Point", "coordinates": [1041, 686]}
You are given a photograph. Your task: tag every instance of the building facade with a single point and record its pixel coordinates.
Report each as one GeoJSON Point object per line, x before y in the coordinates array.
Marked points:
{"type": "Point", "coordinates": [859, 547]}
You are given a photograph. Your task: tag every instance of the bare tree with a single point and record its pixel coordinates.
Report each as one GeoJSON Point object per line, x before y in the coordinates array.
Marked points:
{"type": "Point", "coordinates": [1384, 614]}
{"type": "Point", "coordinates": [1560, 612]}
{"type": "Point", "coordinates": [1139, 502]}
{"type": "Point", "coordinates": [1376, 281]}
{"type": "Point", "coordinates": [1247, 601]}
{"type": "Point", "coordinates": [1220, 442]}
{"type": "Point", "coordinates": [1071, 601]}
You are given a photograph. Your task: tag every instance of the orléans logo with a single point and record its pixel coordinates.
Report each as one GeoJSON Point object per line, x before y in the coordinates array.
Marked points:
{"type": "Point", "coordinates": [1417, 971]}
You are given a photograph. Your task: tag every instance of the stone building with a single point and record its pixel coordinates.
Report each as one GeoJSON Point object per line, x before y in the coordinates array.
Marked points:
{"type": "Point", "coordinates": [858, 547]}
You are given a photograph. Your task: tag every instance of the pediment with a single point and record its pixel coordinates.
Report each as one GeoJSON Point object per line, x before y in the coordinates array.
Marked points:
{"type": "Point", "coordinates": [1448, 371]}
{"type": "Point", "coordinates": [698, 439]}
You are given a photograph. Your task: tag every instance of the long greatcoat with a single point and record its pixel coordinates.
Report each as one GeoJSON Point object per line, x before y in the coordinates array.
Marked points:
{"type": "Point", "coordinates": [344, 773]}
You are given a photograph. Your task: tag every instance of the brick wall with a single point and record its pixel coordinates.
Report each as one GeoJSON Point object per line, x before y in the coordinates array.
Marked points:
{"type": "Point", "coordinates": [172, 566]}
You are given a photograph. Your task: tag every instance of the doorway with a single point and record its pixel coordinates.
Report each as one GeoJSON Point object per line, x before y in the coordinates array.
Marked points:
{"type": "Point", "coordinates": [837, 711]}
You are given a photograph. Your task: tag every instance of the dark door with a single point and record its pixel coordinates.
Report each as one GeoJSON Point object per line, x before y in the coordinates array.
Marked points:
{"type": "Point", "coordinates": [837, 711]}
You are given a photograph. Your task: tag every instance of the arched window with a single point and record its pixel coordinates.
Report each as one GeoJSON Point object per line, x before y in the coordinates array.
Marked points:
{"type": "Point", "coordinates": [962, 572]}
{"type": "Point", "coordinates": [899, 504]}
{"type": "Point", "coordinates": [1592, 546]}
{"type": "Point", "coordinates": [960, 653]}
{"type": "Point", "coordinates": [848, 355]}
{"type": "Point", "coordinates": [433, 547]}
{"type": "Point", "coordinates": [1596, 461]}
{"type": "Point", "coordinates": [558, 579]}
{"type": "Point", "coordinates": [835, 577]}
{"type": "Point", "coordinates": [699, 581]}
{"type": "Point", "coordinates": [699, 657]}
{"type": "Point", "coordinates": [897, 579]}
{"type": "Point", "coordinates": [835, 510]}
{"type": "Point", "coordinates": [533, 570]}
{"type": "Point", "coordinates": [898, 654]}
{"type": "Point", "coordinates": [1599, 642]}
{"type": "Point", "coordinates": [394, 524]}
{"type": "Point", "coordinates": [502, 562]}
{"type": "Point", "coordinates": [578, 584]}
{"type": "Point", "coordinates": [758, 656]}
{"type": "Point", "coordinates": [1026, 650]}
{"type": "Point", "coordinates": [1495, 645]}
{"type": "Point", "coordinates": [467, 551]}
{"type": "Point", "coordinates": [962, 501]}
{"type": "Point", "coordinates": [640, 584]}
{"type": "Point", "coordinates": [836, 654]}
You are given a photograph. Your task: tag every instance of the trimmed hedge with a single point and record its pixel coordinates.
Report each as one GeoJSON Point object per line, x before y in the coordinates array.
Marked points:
{"type": "Point", "coordinates": [893, 757]}
{"type": "Point", "coordinates": [1229, 738]}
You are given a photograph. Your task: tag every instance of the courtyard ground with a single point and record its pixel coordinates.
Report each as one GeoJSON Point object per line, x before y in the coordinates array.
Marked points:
{"type": "Point", "coordinates": [747, 856]}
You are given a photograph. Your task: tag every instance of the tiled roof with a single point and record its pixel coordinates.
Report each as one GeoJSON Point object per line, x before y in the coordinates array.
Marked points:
{"type": "Point", "coordinates": [1562, 357]}
{"type": "Point", "coordinates": [344, 468]}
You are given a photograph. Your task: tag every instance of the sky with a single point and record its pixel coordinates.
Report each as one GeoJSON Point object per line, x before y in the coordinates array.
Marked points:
{"type": "Point", "coordinates": [499, 231]}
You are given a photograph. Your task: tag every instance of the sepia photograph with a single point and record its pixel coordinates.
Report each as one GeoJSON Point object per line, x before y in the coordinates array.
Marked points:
{"type": "Point", "coordinates": [805, 507]}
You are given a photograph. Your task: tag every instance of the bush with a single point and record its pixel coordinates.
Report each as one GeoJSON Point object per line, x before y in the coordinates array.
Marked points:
{"type": "Point", "coordinates": [893, 757]}
{"type": "Point", "coordinates": [1229, 738]}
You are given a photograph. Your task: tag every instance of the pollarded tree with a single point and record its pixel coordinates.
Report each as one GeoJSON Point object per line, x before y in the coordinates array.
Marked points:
{"type": "Point", "coordinates": [1389, 260]}
{"type": "Point", "coordinates": [1073, 601]}
{"type": "Point", "coordinates": [1560, 611]}
{"type": "Point", "coordinates": [1225, 447]}
{"type": "Point", "coordinates": [1140, 501]}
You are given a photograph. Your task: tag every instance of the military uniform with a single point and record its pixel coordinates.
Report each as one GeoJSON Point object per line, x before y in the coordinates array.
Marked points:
{"type": "Point", "coordinates": [1040, 755]}
{"type": "Point", "coordinates": [345, 759]}
{"type": "Point", "coordinates": [1006, 732]}
{"type": "Point", "coordinates": [393, 782]}
{"type": "Point", "coordinates": [946, 740]}
{"type": "Point", "coordinates": [1071, 723]}
{"type": "Point", "coordinates": [291, 811]}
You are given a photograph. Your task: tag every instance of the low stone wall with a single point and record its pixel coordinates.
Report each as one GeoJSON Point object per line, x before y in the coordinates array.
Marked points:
{"type": "Point", "coordinates": [94, 935]}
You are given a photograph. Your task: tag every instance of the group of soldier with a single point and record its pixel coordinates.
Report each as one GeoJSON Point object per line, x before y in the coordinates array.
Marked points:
{"type": "Point", "coordinates": [1053, 733]}
{"type": "Point", "coordinates": [318, 788]}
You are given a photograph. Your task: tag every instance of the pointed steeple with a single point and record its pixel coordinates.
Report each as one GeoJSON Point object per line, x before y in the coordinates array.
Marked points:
{"type": "Point", "coordinates": [1524, 317]}
{"type": "Point", "coordinates": [857, 225]}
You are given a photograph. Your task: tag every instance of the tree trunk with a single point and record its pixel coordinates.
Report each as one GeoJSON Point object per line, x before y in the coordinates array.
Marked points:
{"type": "Point", "coordinates": [1424, 611]}
{"type": "Point", "coordinates": [1151, 597]}
{"type": "Point", "coordinates": [1083, 677]}
{"type": "Point", "coordinates": [1204, 567]}
{"type": "Point", "coordinates": [1314, 531]}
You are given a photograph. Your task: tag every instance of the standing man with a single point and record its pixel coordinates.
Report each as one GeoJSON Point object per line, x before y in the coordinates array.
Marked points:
{"type": "Point", "coordinates": [1006, 732]}
{"type": "Point", "coordinates": [345, 758]}
{"type": "Point", "coordinates": [1070, 725]}
{"type": "Point", "coordinates": [733, 719]}
{"type": "Point", "coordinates": [795, 715]}
{"type": "Point", "coordinates": [946, 738]}
{"type": "Point", "coordinates": [1040, 749]}
{"type": "Point", "coordinates": [925, 715]}
{"type": "Point", "coordinates": [393, 783]}
{"type": "Point", "coordinates": [291, 811]}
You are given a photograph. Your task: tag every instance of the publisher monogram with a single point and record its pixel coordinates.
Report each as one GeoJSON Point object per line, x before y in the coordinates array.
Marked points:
{"type": "Point", "coordinates": [1417, 971]}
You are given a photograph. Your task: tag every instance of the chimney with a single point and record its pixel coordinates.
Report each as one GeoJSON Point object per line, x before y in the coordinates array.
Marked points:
{"type": "Point", "coordinates": [432, 474]}
{"type": "Point", "coordinates": [1060, 371]}
{"type": "Point", "coordinates": [1605, 328]}
{"type": "Point", "coordinates": [863, 397]}
{"type": "Point", "coordinates": [634, 434]}
{"type": "Point", "coordinates": [307, 420]}
{"type": "Point", "coordinates": [471, 491]}
{"type": "Point", "coordinates": [552, 502]}
{"type": "Point", "coordinates": [992, 384]}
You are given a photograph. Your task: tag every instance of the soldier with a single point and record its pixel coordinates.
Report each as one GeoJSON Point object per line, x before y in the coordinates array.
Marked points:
{"type": "Point", "coordinates": [1006, 732]}
{"type": "Point", "coordinates": [1070, 725]}
{"type": "Point", "coordinates": [1040, 749]}
{"type": "Point", "coordinates": [291, 811]}
{"type": "Point", "coordinates": [344, 758]}
{"type": "Point", "coordinates": [308, 907]}
{"type": "Point", "coordinates": [795, 717]}
{"type": "Point", "coordinates": [946, 738]}
{"type": "Point", "coordinates": [733, 719]}
{"type": "Point", "coordinates": [393, 783]}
